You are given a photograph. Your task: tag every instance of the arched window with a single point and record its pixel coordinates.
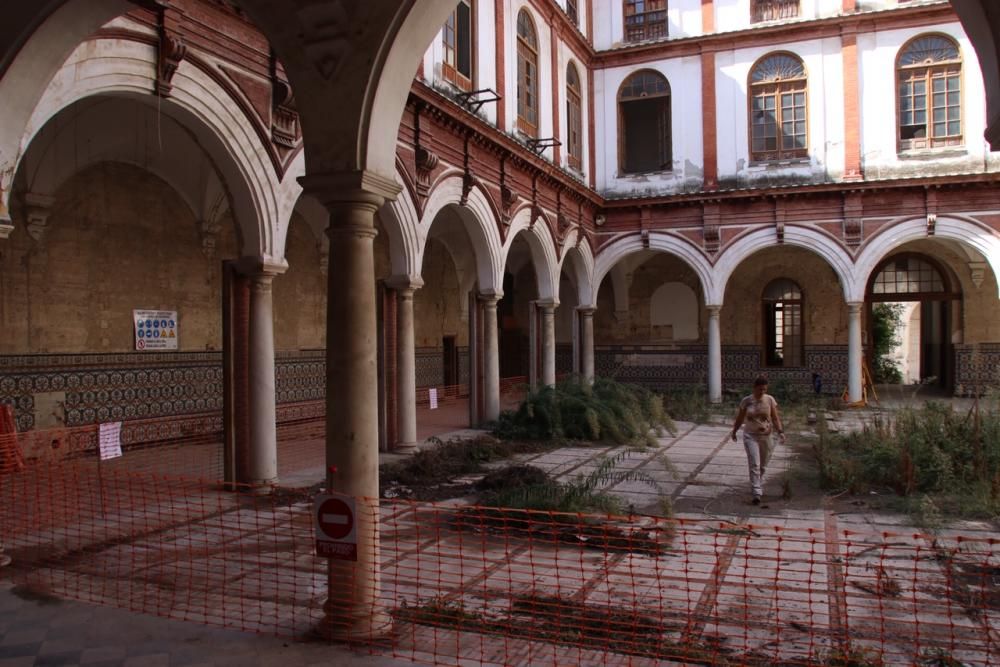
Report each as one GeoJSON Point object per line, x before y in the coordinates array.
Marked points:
{"type": "Point", "coordinates": [929, 76]}
{"type": "Point", "coordinates": [574, 118]}
{"type": "Point", "coordinates": [773, 10]}
{"type": "Point", "coordinates": [782, 324]}
{"type": "Point", "coordinates": [908, 274]}
{"type": "Point", "coordinates": [645, 19]}
{"type": "Point", "coordinates": [458, 41]}
{"type": "Point", "coordinates": [527, 75]}
{"type": "Point", "coordinates": [778, 108]}
{"type": "Point", "coordinates": [644, 123]}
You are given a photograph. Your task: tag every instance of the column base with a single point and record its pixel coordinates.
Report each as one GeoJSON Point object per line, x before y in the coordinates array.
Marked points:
{"type": "Point", "coordinates": [339, 625]}
{"type": "Point", "coordinates": [406, 448]}
{"type": "Point", "coordinates": [263, 487]}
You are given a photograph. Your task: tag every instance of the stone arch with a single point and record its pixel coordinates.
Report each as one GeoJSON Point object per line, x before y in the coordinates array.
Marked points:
{"type": "Point", "coordinates": [116, 67]}
{"type": "Point", "coordinates": [480, 224]}
{"type": "Point", "coordinates": [578, 260]}
{"type": "Point", "coordinates": [816, 241]}
{"type": "Point", "coordinates": [608, 257]}
{"type": "Point", "coordinates": [543, 252]}
{"type": "Point", "coordinates": [969, 233]}
{"type": "Point", "coordinates": [65, 146]}
{"type": "Point", "coordinates": [401, 223]}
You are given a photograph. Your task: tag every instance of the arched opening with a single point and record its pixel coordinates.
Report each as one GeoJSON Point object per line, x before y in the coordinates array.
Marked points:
{"type": "Point", "coordinates": [650, 328]}
{"type": "Point", "coordinates": [644, 124]}
{"type": "Point", "coordinates": [519, 320]}
{"type": "Point", "coordinates": [914, 294]}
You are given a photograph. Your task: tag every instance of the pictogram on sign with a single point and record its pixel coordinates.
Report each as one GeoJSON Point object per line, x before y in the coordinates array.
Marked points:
{"type": "Point", "coordinates": [336, 527]}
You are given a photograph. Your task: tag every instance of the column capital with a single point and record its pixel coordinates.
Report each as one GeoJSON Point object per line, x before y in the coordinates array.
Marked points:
{"type": "Point", "coordinates": [261, 267]}
{"type": "Point", "coordinates": [586, 311]}
{"type": "Point", "coordinates": [854, 306]}
{"type": "Point", "coordinates": [490, 298]}
{"type": "Point", "coordinates": [548, 305]}
{"type": "Point", "coordinates": [352, 188]}
{"type": "Point", "coordinates": [405, 283]}
{"type": "Point", "coordinates": [713, 309]}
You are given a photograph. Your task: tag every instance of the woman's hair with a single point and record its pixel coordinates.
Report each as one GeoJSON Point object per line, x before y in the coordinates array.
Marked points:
{"type": "Point", "coordinates": [760, 381]}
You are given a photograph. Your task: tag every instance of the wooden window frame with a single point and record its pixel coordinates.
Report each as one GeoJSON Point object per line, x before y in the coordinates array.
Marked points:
{"type": "Point", "coordinates": [775, 90]}
{"type": "Point", "coordinates": [767, 353]}
{"type": "Point", "coordinates": [927, 72]}
{"type": "Point", "coordinates": [450, 72]}
{"type": "Point", "coordinates": [574, 119]}
{"type": "Point", "coordinates": [573, 11]}
{"type": "Point", "coordinates": [666, 147]}
{"type": "Point", "coordinates": [650, 23]}
{"type": "Point", "coordinates": [527, 54]}
{"type": "Point", "coordinates": [762, 11]}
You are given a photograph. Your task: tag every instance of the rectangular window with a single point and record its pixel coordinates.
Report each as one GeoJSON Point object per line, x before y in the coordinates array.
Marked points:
{"type": "Point", "coordinates": [645, 19]}
{"type": "Point", "coordinates": [458, 46]}
{"type": "Point", "coordinates": [571, 11]}
{"type": "Point", "coordinates": [930, 108]}
{"type": "Point", "coordinates": [778, 122]}
{"type": "Point", "coordinates": [527, 105]}
{"type": "Point", "coordinates": [784, 334]}
{"type": "Point", "coordinates": [773, 10]}
{"type": "Point", "coordinates": [575, 118]}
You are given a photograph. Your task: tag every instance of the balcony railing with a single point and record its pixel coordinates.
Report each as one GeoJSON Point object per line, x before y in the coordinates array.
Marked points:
{"type": "Point", "coordinates": [773, 10]}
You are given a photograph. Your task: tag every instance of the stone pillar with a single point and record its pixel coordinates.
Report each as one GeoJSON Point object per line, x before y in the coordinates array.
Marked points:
{"type": "Point", "coordinates": [548, 343]}
{"type": "Point", "coordinates": [854, 351]}
{"type": "Point", "coordinates": [263, 455]}
{"type": "Point", "coordinates": [352, 610]}
{"type": "Point", "coordinates": [714, 356]}
{"type": "Point", "coordinates": [587, 343]}
{"type": "Point", "coordinates": [491, 358]}
{"type": "Point", "coordinates": [406, 375]}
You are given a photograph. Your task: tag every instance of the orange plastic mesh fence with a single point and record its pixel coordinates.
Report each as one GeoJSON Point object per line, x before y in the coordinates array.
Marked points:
{"type": "Point", "coordinates": [464, 584]}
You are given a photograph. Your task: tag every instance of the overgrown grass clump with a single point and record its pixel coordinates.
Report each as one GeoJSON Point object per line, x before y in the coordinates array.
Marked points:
{"type": "Point", "coordinates": [951, 457]}
{"type": "Point", "coordinates": [577, 410]}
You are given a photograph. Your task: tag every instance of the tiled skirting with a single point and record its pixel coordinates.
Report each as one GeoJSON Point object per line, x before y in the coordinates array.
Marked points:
{"type": "Point", "coordinates": [88, 388]}
{"type": "Point", "coordinates": [674, 366]}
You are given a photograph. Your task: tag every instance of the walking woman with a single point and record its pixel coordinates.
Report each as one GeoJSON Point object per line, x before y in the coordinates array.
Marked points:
{"type": "Point", "coordinates": [759, 411]}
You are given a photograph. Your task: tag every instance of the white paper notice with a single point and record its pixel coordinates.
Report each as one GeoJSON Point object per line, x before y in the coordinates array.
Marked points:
{"type": "Point", "coordinates": [111, 440]}
{"type": "Point", "coordinates": [433, 394]}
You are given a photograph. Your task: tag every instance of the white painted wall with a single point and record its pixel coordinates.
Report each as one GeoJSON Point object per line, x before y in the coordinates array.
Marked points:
{"type": "Point", "coordinates": [735, 14]}
{"type": "Point", "coordinates": [824, 68]}
{"type": "Point", "coordinates": [684, 75]}
{"type": "Point", "coordinates": [877, 54]}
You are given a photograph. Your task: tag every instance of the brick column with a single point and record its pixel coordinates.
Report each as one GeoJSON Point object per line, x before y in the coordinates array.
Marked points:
{"type": "Point", "coordinates": [708, 121]}
{"type": "Point", "coordinates": [852, 109]}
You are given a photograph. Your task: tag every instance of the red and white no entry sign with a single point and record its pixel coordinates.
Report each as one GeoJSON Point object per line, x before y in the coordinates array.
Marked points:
{"type": "Point", "coordinates": [336, 528]}
{"type": "Point", "coordinates": [335, 518]}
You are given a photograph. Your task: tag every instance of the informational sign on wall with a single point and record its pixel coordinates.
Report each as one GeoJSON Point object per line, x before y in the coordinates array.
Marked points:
{"type": "Point", "coordinates": [110, 440]}
{"type": "Point", "coordinates": [155, 329]}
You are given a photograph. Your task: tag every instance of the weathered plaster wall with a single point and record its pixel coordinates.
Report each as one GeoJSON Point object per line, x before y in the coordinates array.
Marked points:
{"type": "Point", "coordinates": [637, 327]}
{"type": "Point", "coordinates": [118, 238]}
{"type": "Point", "coordinates": [438, 305]}
{"type": "Point", "coordinates": [300, 293]}
{"type": "Point", "coordinates": [824, 311]}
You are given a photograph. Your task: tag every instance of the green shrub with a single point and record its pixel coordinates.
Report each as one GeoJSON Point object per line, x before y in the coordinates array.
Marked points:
{"type": "Point", "coordinates": [577, 410]}
{"type": "Point", "coordinates": [933, 450]}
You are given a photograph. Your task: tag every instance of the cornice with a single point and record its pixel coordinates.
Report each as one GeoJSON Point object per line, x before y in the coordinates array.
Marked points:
{"type": "Point", "coordinates": [778, 33]}
{"type": "Point", "coordinates": [452, 113]}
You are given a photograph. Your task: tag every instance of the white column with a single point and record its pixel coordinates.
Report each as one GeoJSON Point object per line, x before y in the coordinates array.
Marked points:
{"type": "Point", "coordinates": [714, 355]}
{"type": "Point", "coordinates": [548, 344]}
{"type": "Point", "coordinates": [262, 400]}
{"type": "Point", "coordinates": [406, 375]}
{"type": "Point", "coordinates": [854, 351]}
{"type": "Point", "coordinates": [353, 610]}
{"type": "Point", "coordinates": [587, 343]}
{"type": "Point", "coordinates": [491, 359]}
